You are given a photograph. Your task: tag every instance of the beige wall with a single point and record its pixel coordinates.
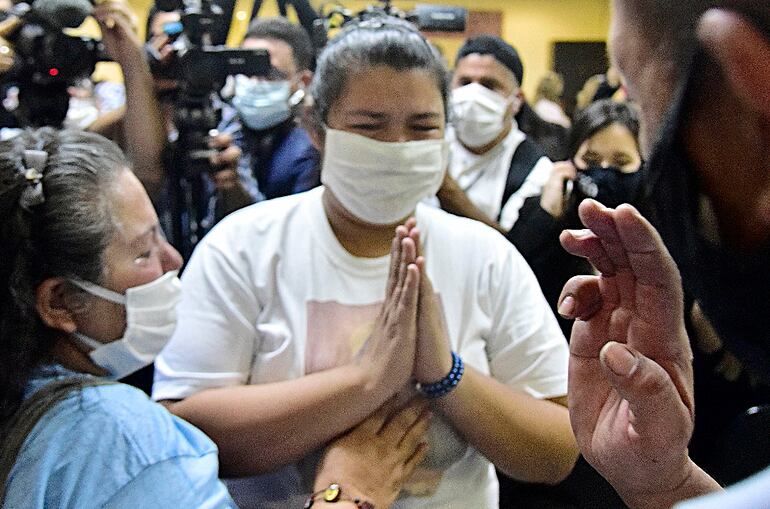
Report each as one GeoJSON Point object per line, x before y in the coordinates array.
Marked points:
{"type": "Point", "coordinates": [532, 26]}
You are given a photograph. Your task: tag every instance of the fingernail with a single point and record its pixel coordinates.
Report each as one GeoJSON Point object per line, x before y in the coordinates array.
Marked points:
{"type": "Point", "coordinates": [619, 359]}
{"type": "Point", "coordinates": [567, 306]}
{"type": "Point", "coordinates": [581, 234]}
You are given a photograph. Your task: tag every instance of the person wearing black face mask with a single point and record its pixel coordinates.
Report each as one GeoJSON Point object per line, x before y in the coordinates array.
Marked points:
{"type": "Point", "coordinates": [603, 163]}
{"type": "Point", "coordinates": [631, 372]}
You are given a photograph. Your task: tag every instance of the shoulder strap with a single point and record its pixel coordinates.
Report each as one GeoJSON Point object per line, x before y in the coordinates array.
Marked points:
{"type": "Point", "coordinates": [526, 156]}
{"type": "Point", "coordinates": [16, 430]}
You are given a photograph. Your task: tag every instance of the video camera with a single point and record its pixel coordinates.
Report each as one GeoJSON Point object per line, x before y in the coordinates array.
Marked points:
{"type": "Point", "coordinates": [48, 60]}
{"type": "Point", "coordinates": [200, 69]}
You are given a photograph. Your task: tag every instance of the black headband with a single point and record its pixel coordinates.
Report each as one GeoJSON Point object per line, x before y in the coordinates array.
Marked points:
{"type": "Point", "coordinates": [498, 48]}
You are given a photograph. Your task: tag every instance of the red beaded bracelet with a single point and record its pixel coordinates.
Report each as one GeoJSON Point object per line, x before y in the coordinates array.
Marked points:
{"type": "Point", "coordinates": [334, 494]}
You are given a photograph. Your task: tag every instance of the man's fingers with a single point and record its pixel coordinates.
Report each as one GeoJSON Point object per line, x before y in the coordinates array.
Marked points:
{"type": "Point", "coordinates": [586, 244]}
{"type": "Point", "coordinates": [116, 10]}
{"type": "Point", "coordinates": [9, 25]}
{"type": "Point", "coordinates": [601, 221]}
{"type": "Point", "coordinates": [652, 396]}
{"type": "Point", "coordinates": [564, 169]}
{"type": "Point", "coordinates": [220, 140]}
{"type": "Point", "coordinates": [581, 298]}
{"type": "Point", "coordinates": [648, 257]}
{"type": "Point", "coordinates": [226, 158]}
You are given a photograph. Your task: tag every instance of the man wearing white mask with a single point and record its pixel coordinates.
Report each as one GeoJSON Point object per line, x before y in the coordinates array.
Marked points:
{"type": "Point", "coordinates": [277, 157]}
{"type": "Point", "coordinates": [494, 167]}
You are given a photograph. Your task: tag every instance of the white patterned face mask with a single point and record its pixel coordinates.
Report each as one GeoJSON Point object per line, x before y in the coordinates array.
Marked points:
{"type": "Point", "coordinates": [382, 182]}
{"type": "Point", "coordinates": [150, 321]}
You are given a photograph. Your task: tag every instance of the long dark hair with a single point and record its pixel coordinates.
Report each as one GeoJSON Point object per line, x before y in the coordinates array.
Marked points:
{"type": "Point", "coordinates": [65, 235]}
{"type": "Point", "coordinates": [596, 117]}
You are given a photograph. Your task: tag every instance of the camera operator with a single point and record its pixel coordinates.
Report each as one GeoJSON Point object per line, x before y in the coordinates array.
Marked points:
{"type": "Point", "coordinates": [278, 158]}
{"type": "Point", "coordinates": [137, 125]}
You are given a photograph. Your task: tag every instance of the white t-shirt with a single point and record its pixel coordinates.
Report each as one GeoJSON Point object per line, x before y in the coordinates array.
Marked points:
{"type": "Point", "coordinates": [270, 294]}
{"type": "Point", "coordinates": [483, 177]}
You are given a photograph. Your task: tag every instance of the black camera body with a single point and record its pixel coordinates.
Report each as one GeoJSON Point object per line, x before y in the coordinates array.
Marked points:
{"type": "Point", "coordinates": [202, 72]}
{"type": "Point", "coordinates": [48, 57]}
{"type": "Point", "coordinates": [48, 61]}
{"type": "Point", "coordinates": [200, 69]}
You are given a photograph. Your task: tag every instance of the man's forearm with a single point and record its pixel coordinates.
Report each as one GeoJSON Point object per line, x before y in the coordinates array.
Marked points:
{"type": "Point", "coordinates": [230, 199]}
{"type": "Point", "coordinates": [456, 202]}
{"type": "Point", "coordinates": [144, 135]}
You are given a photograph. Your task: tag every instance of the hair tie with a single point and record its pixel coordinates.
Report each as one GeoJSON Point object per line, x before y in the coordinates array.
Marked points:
{"type": "Point", "coordinates": [34, 164]}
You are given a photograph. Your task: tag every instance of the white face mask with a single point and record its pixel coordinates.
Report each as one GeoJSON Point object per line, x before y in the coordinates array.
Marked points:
{"type": "Point", "coordinates": [382, 182]}
{"type": "Point", "coordinates": [150, 321]}
{"type": "Point", "coordinates": [478, 114]}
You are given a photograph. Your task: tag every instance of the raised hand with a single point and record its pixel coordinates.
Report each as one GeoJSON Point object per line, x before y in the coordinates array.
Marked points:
{"type": "Point", "coordinates": [552, 196]}
{"type": "Point", "coordinates": [118, 26]}
{"type": "Point", "coordinates": [373, 460]}
{"type": "Point", "coordinates": [7, 53]}
{"type": "Point", "coordinates": [630, 372]}
{"type": "Point", "coordinates": [225, 161]}
{"type": "Point", "coordinates": [388, 354]}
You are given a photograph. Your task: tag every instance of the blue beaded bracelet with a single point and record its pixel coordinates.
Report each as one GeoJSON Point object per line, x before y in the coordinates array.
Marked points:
{"type": "Point", "coordinates": [447, 384]}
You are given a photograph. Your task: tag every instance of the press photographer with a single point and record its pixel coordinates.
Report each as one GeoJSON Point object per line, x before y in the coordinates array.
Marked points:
{"type": "Point", "coordinates": [192, 71]}
{"type": "Point", "coordinates": [45, 61]}
{"type": "Point", "coordinates": [277, 157]}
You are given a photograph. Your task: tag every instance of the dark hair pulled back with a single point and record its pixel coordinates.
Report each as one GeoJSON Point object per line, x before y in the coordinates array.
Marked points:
{"type": "Point", "coordinates": [360, 45]}
{"type": "Point", "coordinates": [64, 236]}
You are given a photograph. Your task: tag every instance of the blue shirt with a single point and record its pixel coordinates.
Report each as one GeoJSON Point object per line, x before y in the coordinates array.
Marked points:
{"type": "Point", "coordinates": [280, 163]}
{"type": "Point", "coordinates": [110, 446]}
